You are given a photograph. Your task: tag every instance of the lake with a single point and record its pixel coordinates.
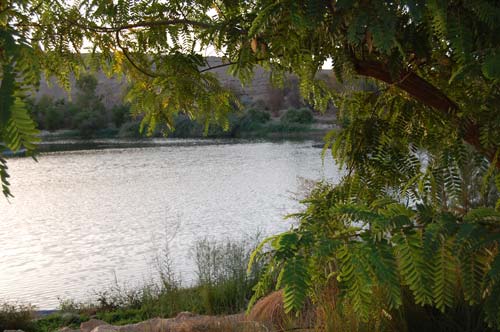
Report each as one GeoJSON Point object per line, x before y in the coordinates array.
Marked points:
{"type": "Point", "coordinates": [81, 220]}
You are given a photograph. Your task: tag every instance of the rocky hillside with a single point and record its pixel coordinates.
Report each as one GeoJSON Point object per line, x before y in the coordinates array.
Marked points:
{"type": "Point", "coordinates": [112, 90]}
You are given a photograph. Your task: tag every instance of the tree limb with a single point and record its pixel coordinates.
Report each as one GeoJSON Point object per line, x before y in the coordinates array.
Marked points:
{"type": "Point", "coordinates": [129, 58]}
{"type": "Point", "coordinates": [411, 83]}
{"type": "Point", "coordinates": [217, 66]}
{"type": "Point", "coordinates": [429, 95]}
{"type": "Point", "coordinates": [143, 24]}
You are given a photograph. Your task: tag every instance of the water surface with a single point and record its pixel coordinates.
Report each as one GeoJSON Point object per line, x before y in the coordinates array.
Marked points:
{"type": "Point", "coordinates": [81, 219]}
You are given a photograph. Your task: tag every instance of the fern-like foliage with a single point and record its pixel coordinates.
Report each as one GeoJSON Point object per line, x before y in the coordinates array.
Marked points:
{"type": "Point", "coordinates": [21, 129]}
{"type": "Point", "coordinates": [4, 176]}
{"type": "Point", "coordinates": [295, 280]}
{"type": "Point", "coordinates": [18, 73]}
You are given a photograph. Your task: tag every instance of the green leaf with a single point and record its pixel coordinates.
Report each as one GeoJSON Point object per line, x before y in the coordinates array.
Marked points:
{"type": "Point", "coordinates": [21, 129]}
{"type": "Point", "coordinates": [4, 176]}
{"type": "Point", "coordinates": [295, 280]}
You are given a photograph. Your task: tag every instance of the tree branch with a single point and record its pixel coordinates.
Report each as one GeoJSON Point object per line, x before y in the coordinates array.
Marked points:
{"type": "Point", "coordinates": [429, 95]}
{"type": "Point", "coordinates": [410, 82]}
{"type": "Point", "coordinates": [217, 66]}
{"type": "Point", "coordinates": [129, 58]}
{"type": "Point", "coordinates": [142, 24]}
{"type": "Point", "coordinates": [225, 65]}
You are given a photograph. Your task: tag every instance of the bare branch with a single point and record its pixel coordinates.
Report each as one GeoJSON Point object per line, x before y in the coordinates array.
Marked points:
{"type": "Point", "coordinates": [217, 66]}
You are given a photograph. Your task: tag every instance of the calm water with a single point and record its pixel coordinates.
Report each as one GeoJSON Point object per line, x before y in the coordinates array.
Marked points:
{"type": "Point", "coordinates": [81, 219]}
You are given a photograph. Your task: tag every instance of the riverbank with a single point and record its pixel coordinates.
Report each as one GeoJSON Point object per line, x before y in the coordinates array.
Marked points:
{"type": "Point", "coordinates": [298, 124]}
{"type": "Point", "coordinates": [220, 295]}
{"type": "Point", "coordinates": [55, 144]}
{"type": "Point", "coordinates": [265, 316]}
{"type": "Point", "coordinates": [272, 131]}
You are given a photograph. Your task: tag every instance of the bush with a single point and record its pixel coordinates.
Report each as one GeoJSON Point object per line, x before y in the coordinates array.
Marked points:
{"type": "Point", "coordinates": [186, 127]}
{"type": "Point", "coordinates": [48, 113]}
{"type": "Point", "coordinates": [88, 122]}
{"type": "Point", "coordinates": [222, 275]}
{"type": "Point", "coordinates": [130, 129]}
{"type": "Point", "coordinates": [120, 114]}
{"type": "Point", "coordinates": [300, 116]}
{"type": "Point", "coordinates": [253, 119]}
{"type": "Point", "coordinates": [16, 317]}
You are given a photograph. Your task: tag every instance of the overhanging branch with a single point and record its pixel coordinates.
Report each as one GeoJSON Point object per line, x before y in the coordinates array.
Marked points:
{"type": "Point", "coordinates": [129, 58]}
{"type": "Point", "coordinates": [144, 24]}
{"type": "Point", "coordinates": [411, 83]}
{"type": "Point", "coordinates": [429, 95]}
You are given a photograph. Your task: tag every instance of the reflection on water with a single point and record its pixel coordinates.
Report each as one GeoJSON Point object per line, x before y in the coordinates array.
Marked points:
{"type": "Point", "coordinates": [82, 218]}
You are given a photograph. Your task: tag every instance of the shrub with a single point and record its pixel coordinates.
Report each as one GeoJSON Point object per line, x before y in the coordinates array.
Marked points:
{"type": "Point", "coordinates": [253, 119]}
{"type": "Point", "coordinates": [222, 287]}
{"type": "Point", "coordinates": [130, 129]}
{"type": "Point", "coordinates": [16, 317]}
{"type": "Point", "coordinates": [300, 116]}
{"type": "Point", "coordinates": [88, 123]}
{"type": "Point", "coordinates": [186, 127]}
{"type": "Point", "coordinates": [120, 114]}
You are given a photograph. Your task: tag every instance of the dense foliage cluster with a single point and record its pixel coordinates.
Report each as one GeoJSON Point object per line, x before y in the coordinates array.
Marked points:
{"type": "Point", "coordinates": [415, 213]}
{"type": "Point", "coordinates": [86, 113]}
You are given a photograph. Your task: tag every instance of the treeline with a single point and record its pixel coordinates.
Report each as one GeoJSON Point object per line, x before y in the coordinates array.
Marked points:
{"type": "Point", "coordinates": [86, 113]}
{"type": "Point", "coordinates": [86, 116]}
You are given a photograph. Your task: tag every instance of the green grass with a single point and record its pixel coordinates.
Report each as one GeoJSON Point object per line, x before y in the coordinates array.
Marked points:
{"type": "Point", "coordinates": [55, 321]}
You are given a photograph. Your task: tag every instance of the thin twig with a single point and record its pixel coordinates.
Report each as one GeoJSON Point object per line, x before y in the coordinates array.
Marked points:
{"type": "Point", "coordinates": [218, 66]}
{"type": "Point", "coordinates": [224, 65]}
{"type": "Point", "coordinates": [125, 52]}
{"type": "Point", "coordinates": [142, 24]}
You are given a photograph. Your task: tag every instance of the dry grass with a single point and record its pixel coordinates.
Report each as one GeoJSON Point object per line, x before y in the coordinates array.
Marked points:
{"type": "Point", "coordinates": [16, 316]}
{"type": "Point", "coordinates": [270, 313]}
